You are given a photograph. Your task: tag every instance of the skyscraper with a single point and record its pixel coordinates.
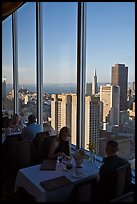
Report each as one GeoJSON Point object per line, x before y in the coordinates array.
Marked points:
{"type": "Point", "coordinates": [63, 113]}
{"type": "Point", "coordinates": [3, 92]}
{"type": "Point", "coordinates": [4, 88]}
{"type": "Point", "coordinates": [120, 77]}
{"type": "Point", "coordinates": [88, 89]}
{"type": "Point", "coordinates": [94, 83]}
{"type": "Point", "coordinates": [110, 96]}
{"type": "Point", "coordinates": [92, 113]}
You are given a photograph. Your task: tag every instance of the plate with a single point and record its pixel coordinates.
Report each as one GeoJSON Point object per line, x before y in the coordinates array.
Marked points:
{"type": "Point", "coordinates": [75, 175]}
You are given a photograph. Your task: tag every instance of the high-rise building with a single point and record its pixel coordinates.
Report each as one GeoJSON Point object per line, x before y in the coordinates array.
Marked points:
{"type": "Point", "coordinates": [4, 88]}
{"type": "Point", "coordinates": [63, 113]}
{"type": "Point", "coordinates": [88, 89]}
{"type": "Point", "coordinates": [110, 96]}
{"type": "Point", "coordinates": [120, 78]}
{"type": "Point", "coordinates": [92, 115]}
{"type": "Point", "coordinates": [94, 84]}
{"type": "Point", "coordinates": [133, 85]}
{"type": "Point", "coordinates": [3, 92]}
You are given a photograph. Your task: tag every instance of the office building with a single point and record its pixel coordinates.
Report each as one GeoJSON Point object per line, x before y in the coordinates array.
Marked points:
{"type": "Point", "coordinates": [92, 115]}
{"type": "Point", "coordinates": [110, 96]}
{"type": "Point", "coordinates": [88, 89]}
{"type": "Point", "coordinates": [120, 78]}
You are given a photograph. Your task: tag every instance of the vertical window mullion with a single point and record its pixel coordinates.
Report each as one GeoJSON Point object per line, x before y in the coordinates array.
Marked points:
{"type": "Point", "coordinates": [15, 62]}
{"type": "Point", "coordinates": [81, 73]}
{"type": "Point", "coordinates": [39, 60]}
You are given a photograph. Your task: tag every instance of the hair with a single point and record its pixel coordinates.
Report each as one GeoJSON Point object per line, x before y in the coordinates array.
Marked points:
{"type": "Point", "coordinates": [64, 130]}
{"type": "Point", "coordinates": [15, 115]}
{"type": "Point", "coordinates": [112, 147]}
{"type": "Point", "coordinates": [31, 119]}
{"type": "Point", "coordinates": [15, 118]}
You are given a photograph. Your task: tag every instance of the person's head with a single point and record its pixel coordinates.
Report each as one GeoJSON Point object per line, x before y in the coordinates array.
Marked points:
{"type": "Point", "coordinates": [65, 133]}
{"type": "Point", "coordinates": [111, 148]}
{"type": "Point", "coordinates": [15, 119]}
{"type": "Point", "coordinates": [31, 119]}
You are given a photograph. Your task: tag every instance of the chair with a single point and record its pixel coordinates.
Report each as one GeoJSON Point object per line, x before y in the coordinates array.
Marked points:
{"type": "Point", "coordinates": [127, 197]}
{"type": "Point", "coordinates": [24, 154]}
{"type": "Point", "coordinates": [9, 150]}
{"type": "Point", "coordinates": [82, 191]}
{"type": "Point", "coordinates": [114, 185]}
{"type": "Point", "coordinates": [38, 142]}
{"type": "Point", "coordinates": [46, 146]}
{"type": "Point", "coordinates": [122, 184]}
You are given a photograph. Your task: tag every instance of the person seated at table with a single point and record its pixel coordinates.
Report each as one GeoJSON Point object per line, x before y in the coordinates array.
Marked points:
{"type": "Point", "coordinates": [103, 191]}
{"type": "Point", "coordinates": [61, 145]}
{"type": "Point", "coordinates": [29, 132]}
{"type": "Point", "coordinates": [5, 122]}
{"type": "Point", "coordinates": [15, 122]}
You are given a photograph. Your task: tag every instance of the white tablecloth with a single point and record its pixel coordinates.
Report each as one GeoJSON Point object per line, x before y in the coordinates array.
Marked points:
{"type": "Point", "coordinates": [10, 134]}
{"type": "Point", "coordinates": [30, 179]}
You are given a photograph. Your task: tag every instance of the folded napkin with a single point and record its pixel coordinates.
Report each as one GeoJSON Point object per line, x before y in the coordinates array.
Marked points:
{"type": "Point", "coordinates": [55, 183]}
{"type": "Point", "coordinates": [48, 165]}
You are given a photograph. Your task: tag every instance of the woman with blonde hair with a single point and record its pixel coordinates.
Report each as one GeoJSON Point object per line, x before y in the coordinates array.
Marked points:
{"type": "Point", "coordinates": [61, 145]}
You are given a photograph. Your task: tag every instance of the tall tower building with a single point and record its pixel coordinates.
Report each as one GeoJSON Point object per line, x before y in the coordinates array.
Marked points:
{"type": "Point", "coordinates": [88, 89]}
{"type": "Point", "coordinates": [110, 96]}
{"type": "Point", "coordinates": [94, 83]}
{"type": "Point", "coordinates": [120, 77]}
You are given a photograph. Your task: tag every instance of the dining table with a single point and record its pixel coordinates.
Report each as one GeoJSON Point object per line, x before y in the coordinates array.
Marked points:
{"type": "Point", "coordinates": [10, 134]}
{"type": "Point", "coordinates": [30, 179]}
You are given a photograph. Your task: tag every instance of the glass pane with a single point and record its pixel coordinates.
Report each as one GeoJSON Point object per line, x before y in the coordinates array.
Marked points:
{"type": "Point", "coordinates": [27, 60]}
{"type": "Point", "coordinates": [60, 77]}
{"type": "Point", "coordinates": [7, 68]}
{"type": "Point", "coordinates": [110, 43]}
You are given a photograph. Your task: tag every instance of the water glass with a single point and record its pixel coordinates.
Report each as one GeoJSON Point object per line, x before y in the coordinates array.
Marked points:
{"type": "Point", "coordinates": [60, 158]}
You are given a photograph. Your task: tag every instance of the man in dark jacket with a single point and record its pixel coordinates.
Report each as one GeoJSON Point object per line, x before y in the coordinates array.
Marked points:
{"type": "Point", "coordinates": [106, 181]}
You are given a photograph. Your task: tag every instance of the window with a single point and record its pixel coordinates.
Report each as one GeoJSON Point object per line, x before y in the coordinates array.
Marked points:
{"type": "Point", "coordinates": [26, 25]}
{"type": "Point", "coordinates": [59, 68]}
{"type": "Point", "coordinates": [7, 68]}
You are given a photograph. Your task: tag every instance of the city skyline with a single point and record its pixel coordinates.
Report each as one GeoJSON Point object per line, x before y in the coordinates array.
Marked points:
{"type": "Point", "coordinates": [109, 41]}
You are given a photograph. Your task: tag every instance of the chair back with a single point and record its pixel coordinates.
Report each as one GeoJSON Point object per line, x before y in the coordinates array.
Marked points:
{"type": "Point", "coordinates": [127, 197]}
{"type": "Point", "coordinates": [121, 179]}
{"type": "Point", "coordinates": [38, 142]}
{"type": "Point", "coordinates": [113, 185]}
{"type": "Point", "coordinates": [82, 191]}
{"type": "Point", "coordinates": [10, 150]}
{"type": "Point", "coordinates": [46, 146]}
{"type": "Point", "coordinates": [23, 154]}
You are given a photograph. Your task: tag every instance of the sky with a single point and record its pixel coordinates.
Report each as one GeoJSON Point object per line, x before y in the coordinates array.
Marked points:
{"type": "Point", "coordinates": [110, 39]}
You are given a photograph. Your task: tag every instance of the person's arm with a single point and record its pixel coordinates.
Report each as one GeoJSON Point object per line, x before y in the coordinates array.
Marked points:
{"type": "Point", "coordinates": [23, 133]}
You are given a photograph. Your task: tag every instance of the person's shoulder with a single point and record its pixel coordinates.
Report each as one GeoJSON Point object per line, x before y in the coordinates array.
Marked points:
{"type": "Point", "coordinates": [123, 161]}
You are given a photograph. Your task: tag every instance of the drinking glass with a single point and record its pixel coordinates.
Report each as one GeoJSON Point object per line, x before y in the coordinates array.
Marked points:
{"type": "Point", "coordinates": [60, 158]}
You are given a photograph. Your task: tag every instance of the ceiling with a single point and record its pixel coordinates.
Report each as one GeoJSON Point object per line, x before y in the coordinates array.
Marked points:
{"type": "Point", "coordinates": [9, 7]}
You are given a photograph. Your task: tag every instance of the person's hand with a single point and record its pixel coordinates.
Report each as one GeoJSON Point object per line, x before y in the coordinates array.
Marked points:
{"type": "Point", "coordinates": [62, 154]}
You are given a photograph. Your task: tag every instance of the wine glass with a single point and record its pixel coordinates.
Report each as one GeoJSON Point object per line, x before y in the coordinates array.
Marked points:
{"type": "Point", "coordinates": [60, 158]}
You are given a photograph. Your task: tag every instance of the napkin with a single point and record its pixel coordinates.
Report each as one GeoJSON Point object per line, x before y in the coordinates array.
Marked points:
{"type": "Point", "coordinates": [55, 183]}
{"type": "Point", "coordinates": [48, 165]}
